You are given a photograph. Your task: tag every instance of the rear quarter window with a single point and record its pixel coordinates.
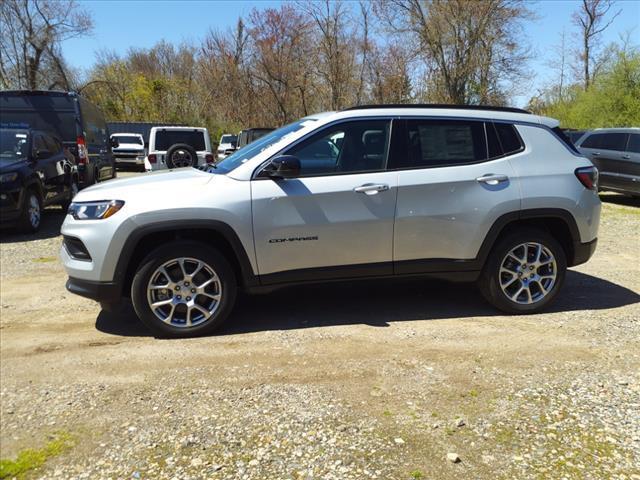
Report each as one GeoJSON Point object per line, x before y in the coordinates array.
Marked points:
{"type": "Point", "coordinates": [634, 143]}
{"type": "Point", "coordinates": [509, 138]}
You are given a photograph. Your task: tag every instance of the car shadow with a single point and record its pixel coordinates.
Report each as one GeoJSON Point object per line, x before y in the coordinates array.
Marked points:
{"type": "Point", "coordinates": [52, 219]}
{"type": "Point", "coordinates": [620, 199]}
{"type": "Point", "coordinates": [378, 303]}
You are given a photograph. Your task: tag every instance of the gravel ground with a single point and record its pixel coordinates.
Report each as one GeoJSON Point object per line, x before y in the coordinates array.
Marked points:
{"type": "Point", "coordinates": [369, 380]}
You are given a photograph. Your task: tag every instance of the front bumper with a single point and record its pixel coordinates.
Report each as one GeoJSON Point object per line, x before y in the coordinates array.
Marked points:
{"type": "Point", "coordinates": [11, 204]}
{"type": "Point", "coordinates": [582, 252]}
{"type": "Point", "coordinates": [106, 292]}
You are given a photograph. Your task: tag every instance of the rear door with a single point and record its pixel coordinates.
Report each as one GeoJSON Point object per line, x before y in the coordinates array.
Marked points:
{"type": "Point", "coordinates": [336, 219]}
{"type": "Point", "coordinates": [454, 181]}
{"type": "Point", "coordinates": [605, 150]}
{"type": "Point", "coordinates": [97, 139]}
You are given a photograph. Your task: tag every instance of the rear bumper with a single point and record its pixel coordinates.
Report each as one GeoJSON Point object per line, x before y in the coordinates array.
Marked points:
{"type": "Point", "coordinates": [582, 252]}
{"type": "Point", "coordinates": [106, 292]}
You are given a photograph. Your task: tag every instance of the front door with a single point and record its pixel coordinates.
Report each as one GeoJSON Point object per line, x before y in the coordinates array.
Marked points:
{"type": "Point", "coordinates": [336, 219]}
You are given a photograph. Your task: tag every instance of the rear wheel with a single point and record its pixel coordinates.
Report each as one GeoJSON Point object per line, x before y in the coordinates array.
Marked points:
{"type": "Point", "coordinates": [184, 289]}
{"type": "Point", "coordinates": [524, 272]}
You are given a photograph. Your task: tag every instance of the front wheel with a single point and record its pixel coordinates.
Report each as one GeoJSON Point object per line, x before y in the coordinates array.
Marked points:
{"type": "Point", "coordinates": [524, 272]}
{"type": "Point", "coordinates": [184, 289]}
{"type": "Point", "coordinates": [31, 215]}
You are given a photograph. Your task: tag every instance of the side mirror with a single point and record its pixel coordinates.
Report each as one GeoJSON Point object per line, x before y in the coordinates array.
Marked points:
{"type": "Point", "coordinates": [42, 154]}
{"type": "Point", "coordinates": [114, 142]}
{"type": "Point", "coordinates": [284, 166]}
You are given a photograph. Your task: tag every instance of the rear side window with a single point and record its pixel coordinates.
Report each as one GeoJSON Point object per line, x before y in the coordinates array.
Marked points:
{"type": "Point", "coordinates": [52, 144]}
{"type": "Point", "coordinates": [439, 143]}
{"type": "Point", "coordinates": [166, 138]}
{"type": "Point", "coordinates": [634, 143]}
{"type": "Point", "coordinates": [509, 138]}
{"type": "Point", "coordinates": [614, 141]}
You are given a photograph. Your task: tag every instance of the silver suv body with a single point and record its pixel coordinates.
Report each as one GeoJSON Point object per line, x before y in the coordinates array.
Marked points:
{"type": "Point", "coordinates": [474, 194]}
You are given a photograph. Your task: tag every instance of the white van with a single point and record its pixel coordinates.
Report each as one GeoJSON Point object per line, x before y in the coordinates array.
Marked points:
{"type": "Point", "coordinates": [176, 147]}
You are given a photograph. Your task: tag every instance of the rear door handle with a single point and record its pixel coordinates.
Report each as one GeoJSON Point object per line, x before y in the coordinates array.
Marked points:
{"type": "Point", "coordinates": [492, 179]}
{"type": "Point", "coordinates": [371, 188]}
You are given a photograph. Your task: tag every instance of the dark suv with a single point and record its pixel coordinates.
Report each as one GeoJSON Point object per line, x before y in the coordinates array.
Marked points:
{"type": "Point", "coordinates": [77, 122]}
{"type": "Point", "coordinates": [616, 154]}
{"type": "Point", "coordinates": [35, 171]}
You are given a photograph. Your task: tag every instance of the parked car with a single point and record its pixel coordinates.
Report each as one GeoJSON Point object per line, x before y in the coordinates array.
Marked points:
{"type": "Point", "coordinates": [175, 147]}
{"type": "Point", "coordinates": [245, 137]}
{"type": "Point", "coordinates": [492, 195]}
{"type": "Point", "coordinates": [616, 154]}
{"type": "Point", "coordinates": [573, 135]}
{"type": "Point", "coordinates": [130, 150]}
{"type": "Point", "coordinates": [35, 172]}
{"type": "Point", "coordinates": [77, 122]}
{"type": "Point", "coordinates": [227, 145]}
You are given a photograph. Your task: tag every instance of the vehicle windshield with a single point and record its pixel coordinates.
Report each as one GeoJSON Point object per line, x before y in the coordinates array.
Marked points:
{"type": "Point", "coordinates": [254, 148]}
{"type": "Point", "coordinates": [229, 139]}
{"type": "Point", "coordinates": [13, 145]}
{"type": "Point", "coordinates": [128, 139]}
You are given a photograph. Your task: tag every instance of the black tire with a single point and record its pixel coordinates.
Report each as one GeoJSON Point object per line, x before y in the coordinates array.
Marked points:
{"type": "Point", "coordinates": [74, 188]}
{"type": "Point", "coordinates": [27, 222]}
{"type": "Point", "coordinates": [174, 250]}
{"type": "Point", "coordinates": [489, 281]}
{"type": "Point", "coordinates": [187, 150]}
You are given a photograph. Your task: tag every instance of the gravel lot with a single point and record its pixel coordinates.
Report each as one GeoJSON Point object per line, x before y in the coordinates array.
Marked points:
{"type": "Point", "coordinates": [383, 380]}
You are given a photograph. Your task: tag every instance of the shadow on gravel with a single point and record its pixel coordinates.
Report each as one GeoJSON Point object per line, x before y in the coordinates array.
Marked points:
{"type": "Point", "coordinates": [378, 303]}
{"type": "Point", "coordinates": [620, 199]}
{"type": "Point", "coordinates": [52, 219]}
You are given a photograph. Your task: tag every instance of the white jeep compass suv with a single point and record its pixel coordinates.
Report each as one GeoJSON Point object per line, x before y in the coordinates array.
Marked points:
{"type": "Point", "coordinates": [492, 195]}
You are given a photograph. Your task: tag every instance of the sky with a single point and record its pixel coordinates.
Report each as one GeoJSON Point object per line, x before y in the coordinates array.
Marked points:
{"type": "Point", "coordinates": [120, 25]}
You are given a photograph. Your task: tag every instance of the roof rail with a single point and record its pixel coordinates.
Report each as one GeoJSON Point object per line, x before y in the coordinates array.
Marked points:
{"type": "Point", "coordinates": [440, 105]}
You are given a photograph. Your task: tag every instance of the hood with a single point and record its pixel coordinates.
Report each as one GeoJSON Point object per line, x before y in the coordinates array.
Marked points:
{"type": "Point", "coordinates": [147, 185]}
{"type": "Point", "coordinates": [11, 165]}
{"type": "Point", "coordinates": [128, 146]}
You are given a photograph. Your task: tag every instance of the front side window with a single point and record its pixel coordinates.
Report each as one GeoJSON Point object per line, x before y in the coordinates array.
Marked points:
{"type": "Point", "coordinates": [593, 141]}
{"type": "Point", "coordinates": [357, 146]}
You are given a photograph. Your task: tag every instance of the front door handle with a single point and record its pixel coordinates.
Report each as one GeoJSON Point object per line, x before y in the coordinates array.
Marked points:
{"type": "Point", "coordinates": [626, 157]}
{"type": "Point", "coordinates": [491, 179]}
{"type": "Point", "coordinates": [596, 154]}
{"type": "Point", "coordinates": [371, 188]}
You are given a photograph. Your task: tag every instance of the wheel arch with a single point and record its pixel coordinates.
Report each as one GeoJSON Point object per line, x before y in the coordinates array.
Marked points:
{"type": "Point", "coordinates": [209, 232]}
{"type": "Point", "coordinates": [558, 222]}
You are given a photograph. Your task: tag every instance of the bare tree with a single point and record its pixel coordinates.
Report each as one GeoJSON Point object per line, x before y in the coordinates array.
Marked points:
{"type": "Point", "coordinates": [32, 32]}
{"type": "Point", "coordinates": [471, 49]}
{"type": "Point", "coordinates": [591, 21]}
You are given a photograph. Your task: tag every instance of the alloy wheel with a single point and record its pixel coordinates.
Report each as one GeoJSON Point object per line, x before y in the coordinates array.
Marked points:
{"type": "Point", "coordinates": [184, 292]}
{"type": "Point", "coordinates": [34, 211]}
{"type": "Point", "coordinates": [528, 273]}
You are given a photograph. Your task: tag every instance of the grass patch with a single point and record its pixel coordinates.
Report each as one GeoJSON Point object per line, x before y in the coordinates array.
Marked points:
{"type": "Point", "coordinates": [416, 474]}
{"type": "Point", "coordinates": [30, 459]}
{"type": "Point", "coordinates": [45, 259]}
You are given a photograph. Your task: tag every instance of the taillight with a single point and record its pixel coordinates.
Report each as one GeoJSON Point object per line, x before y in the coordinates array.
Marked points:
{"type": "Point", "coordinates": [208, 158]}
{"type": "Point", "coordinates": [588, 177]}
{"type": "Point", "coordinates": [82, 150]}
{"type": "Point", "coordinates": [153, 158]}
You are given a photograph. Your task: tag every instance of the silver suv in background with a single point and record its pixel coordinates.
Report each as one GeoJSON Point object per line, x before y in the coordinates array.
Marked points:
{"type": "Point", "coordinates": [491, 195]}
{"type": "Point", "coordinates": [176, 147]}
{"type": "Point", "coordinates": [616, 154]}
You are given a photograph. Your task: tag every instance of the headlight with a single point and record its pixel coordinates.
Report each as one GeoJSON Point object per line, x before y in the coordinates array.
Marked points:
{"type": "Point", "coordinates": [8, 177]}
{"type": "Point", "coordinates": [94, 210]}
